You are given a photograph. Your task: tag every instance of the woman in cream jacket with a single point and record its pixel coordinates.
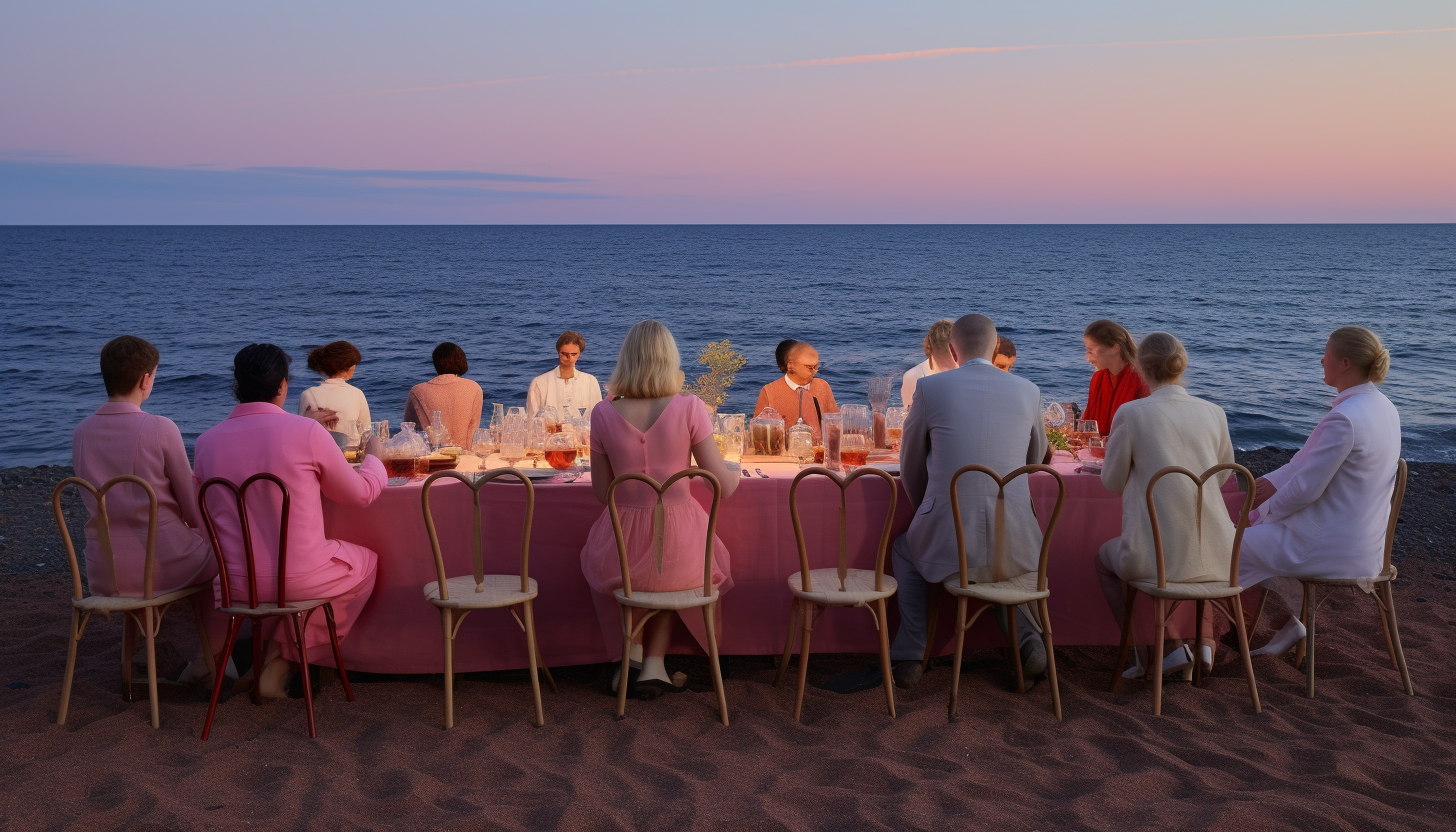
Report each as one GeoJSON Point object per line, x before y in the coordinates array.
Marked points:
{"type": "Point", "coordinates": [1169, 427]}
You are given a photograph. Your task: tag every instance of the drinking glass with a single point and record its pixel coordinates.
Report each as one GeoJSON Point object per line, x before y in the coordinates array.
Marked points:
{"type": "Point", "coordinates": [854, 451]}
{"type": "Point", "coordinates": [561, 450]}
{"type": "Point", "coordinates": [1096, 447]}
{"type": "Point", "coordinates": [497, 416]}
{"type": "Point", "coordinates": [513, 445]}
{"type": "Point", "coordinates": [858, 420]}
{"type": "Point", "coordinates": [482, 444]}
{"type": "Point", "coordinates": [833, 434]}
{"type": "Point", "coordinates": [894, 426]}
{"type": "Point", "coordinates": [380, 429]}
{"type": "Point", "coordinates": [879, 390]}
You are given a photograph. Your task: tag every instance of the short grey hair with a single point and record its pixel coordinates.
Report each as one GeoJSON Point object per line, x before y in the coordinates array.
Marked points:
{"type": "Point", "coordinates": [974, 337]}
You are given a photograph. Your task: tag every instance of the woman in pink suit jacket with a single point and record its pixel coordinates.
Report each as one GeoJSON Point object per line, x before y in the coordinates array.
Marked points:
{"type": "Point", "coordinates": [259, 436]}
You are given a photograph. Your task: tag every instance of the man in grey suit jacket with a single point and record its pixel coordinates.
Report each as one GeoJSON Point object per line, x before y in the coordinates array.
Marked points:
{"type": "Point", "coordinates": [974, 414]}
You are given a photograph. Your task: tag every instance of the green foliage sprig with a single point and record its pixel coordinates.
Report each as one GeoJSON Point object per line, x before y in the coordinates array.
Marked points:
{"type": "Point", "coordinates": [723, 363]}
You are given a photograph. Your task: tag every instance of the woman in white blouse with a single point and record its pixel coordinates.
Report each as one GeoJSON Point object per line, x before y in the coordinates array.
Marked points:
{"type": "Point", "coordinates": [1324, 514]}
{"type": "Point", "coordinates": [334, 402]}
{"type": "Point", "coordinates": [1168, 427]}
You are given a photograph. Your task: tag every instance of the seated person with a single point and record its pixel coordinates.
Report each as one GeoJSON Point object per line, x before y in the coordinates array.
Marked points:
{"type": "Point", "coordinates": [458, 399]}
{"type": "Point", "coordinates": [564, 387]}
{"type": "Point", "coordinates": [347, 408]}
{"type": "Point", "coordinates": [1324, 514]}
{"type": "Point", "coordinates": [1116, 381]}
{"type": "Point", "coordinates": [260, 437]}
{"type": "Point", "coordinates": [1005, 357]}
{"type": "Point", "coordinates": [781, 354]}
{"type": "Point", "coordinates": [121, 438]}
{"type": "Point", "coordinates": [799, 384]}
{"type": "Point", "coordinates": [973, 414]}
{"type": "Point", "coordinates": [1169, 427]}
{"type": "Point", "coordinates": [937, 359]}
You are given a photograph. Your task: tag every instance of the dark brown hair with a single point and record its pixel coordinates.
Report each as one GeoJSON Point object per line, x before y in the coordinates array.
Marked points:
{"type": "Point", "coordinates": [1005, 347]}
{"type": "Point", "coordinates": [332, 359]}
{"type": "Point", "coordinates": [571, 337]}
{"type": "Point", "coordinates": [124, 361]}
{"type": "Point", "coordinates": [258, 371]}
{"type": "Point", "coordinates": [449, 358]}
{"type": "Point", "coordinates": [1111, 334]}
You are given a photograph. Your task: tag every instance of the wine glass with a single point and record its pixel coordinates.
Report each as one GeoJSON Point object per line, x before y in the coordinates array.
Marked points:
{"type": "Point", "coordinates": [1096, 447]}
{"type": "Point", "coordinates": [513, 445]}
{"type": "Point", "coordinates": [854, 450]}
{"type": "Point", "coordinates": [482, 444]}
{"type": "Point", "coordinates": [561, 450]}
{"type": "Point", "coordinates": [894, 426]}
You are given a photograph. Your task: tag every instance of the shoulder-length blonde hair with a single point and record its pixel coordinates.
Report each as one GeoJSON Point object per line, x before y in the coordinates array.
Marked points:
{"type": "Point", "coordinates": [648, 365]}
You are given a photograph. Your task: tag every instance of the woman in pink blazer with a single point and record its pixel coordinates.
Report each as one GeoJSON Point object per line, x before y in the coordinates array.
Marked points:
{"type": "Point", "coordinates": [259, 436]}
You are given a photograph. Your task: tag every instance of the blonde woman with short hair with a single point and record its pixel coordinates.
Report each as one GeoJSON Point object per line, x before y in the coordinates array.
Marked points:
{"type": "Point", "coordinates": [651, 427]}
{"type": "Point", "coordinates": [1323, 515]}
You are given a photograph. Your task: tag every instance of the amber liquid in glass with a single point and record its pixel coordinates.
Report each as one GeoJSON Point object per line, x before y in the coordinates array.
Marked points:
{"type": "Point", "coordinates": [561, 458]}
{"type": "Point", "coordinates": [400, 467]}
{"type": "Point", "coordinates": [853, 458]}
{"type": "Point", "coordinates": [553, 428]}
{"type": "Point", "coordinates": [818, 454]}
{"type": "Point", "coordinates": [1098, 452]}
{"type": "Point", "coordinates": [895, 435]}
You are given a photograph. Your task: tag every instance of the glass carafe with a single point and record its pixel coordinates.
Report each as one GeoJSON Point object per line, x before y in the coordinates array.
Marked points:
{"type": "Point", "coordinates": [801, 443]}
{"type": "Point", "coordinates": [766, 433]}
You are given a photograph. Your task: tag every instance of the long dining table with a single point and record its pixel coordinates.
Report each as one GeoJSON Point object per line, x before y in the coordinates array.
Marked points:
{"type": "Point", "coordinates": [399, 630]}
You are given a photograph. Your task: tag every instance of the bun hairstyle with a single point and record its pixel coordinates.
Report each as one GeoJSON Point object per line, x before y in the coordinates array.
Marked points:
{"type": "Point", "coordinates": [937, 340]}
{"type": "Point", "coordinates": [1161, 359]}
{"type": "Point", "coordinates": [332, 359]}
{"type": "Point", "coordinates": [1111, 334]}
{"type": "Point", "coordinates": [1364, 350]}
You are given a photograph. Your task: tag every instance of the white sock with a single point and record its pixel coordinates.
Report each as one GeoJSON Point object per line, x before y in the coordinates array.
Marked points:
{"type": "Point", "coordinates": [1135, 667]}
{"type": "Point", "coordinates": [1282, 640]}
{"type": "Point", "coordinates": [653, 667]}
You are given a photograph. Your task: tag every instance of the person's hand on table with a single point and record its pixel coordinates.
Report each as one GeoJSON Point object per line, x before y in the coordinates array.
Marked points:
{"type": "Point", "coordinates": [1263, 490]}
{"type": "Point", "coordinates": [324, 416]}
{"type": "Point", "coordinates": [374, 447]}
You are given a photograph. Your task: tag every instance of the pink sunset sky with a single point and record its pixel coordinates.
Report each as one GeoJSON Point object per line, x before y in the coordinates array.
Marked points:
{"type": "Point", "coordinates": [566, 112]}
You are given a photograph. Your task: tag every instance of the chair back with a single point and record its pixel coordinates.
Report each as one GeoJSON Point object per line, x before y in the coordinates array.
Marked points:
{"type": "Point", "coordinates": [477, 549]}
{"type": "Point", "coordinates": [103, 530]}
{"type": "Point", "coordinates": [843, 483]}
{"type": "Point", "coordinates": [1198, 481]}
{"type": "Point", "coordinates": [1396, 498]}
{"type": "Point", "coordinates": [239, 493]}
{"type": "Point", "coordinates": [658, 527]}
{"type": "Point", "coordinates": [999, 569]}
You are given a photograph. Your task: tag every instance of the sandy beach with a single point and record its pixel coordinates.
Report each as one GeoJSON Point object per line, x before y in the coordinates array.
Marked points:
{"type": "Point", "coordinates": [1361, 756]}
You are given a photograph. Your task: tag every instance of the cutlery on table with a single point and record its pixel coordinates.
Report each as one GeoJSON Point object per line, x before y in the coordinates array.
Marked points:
{"type": "Point", "coordinates": [759, 471]}
{"type": "Point", "coordinates": [744, 472]}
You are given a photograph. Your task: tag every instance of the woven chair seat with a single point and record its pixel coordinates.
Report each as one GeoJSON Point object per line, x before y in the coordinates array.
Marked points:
{"type": "Point", "coordinates": [496, 591]}
{"type": "Point", "coordinates": [1018, 590]}
{"type": "Point", "coordinates": [126, 603]}
{"type": "Point", "coordinates": [270, 608]}
{"type": "Point", "coordinates": [1188, 591]}
{"type": "Point", "coordinates": [859, 587]}
{"type": "Point", "coordinates": [1383, 577]}
{"type": "Point", "coordinates": [685, 599]}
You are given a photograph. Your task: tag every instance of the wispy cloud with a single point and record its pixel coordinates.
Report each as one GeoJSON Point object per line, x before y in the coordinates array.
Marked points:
{"type": "Point", "coordinates": [414, 175]}
{"type": "Point", "coordinates": [875, 57]}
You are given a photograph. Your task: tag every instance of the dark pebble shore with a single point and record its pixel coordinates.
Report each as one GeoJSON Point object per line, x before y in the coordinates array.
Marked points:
{"type": "Point", "coordinates": [30, 542]}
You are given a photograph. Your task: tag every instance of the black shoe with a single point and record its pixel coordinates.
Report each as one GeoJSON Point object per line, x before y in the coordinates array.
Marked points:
{"type": "Point", "coordinates": [295, 683]}
{"type": "Point", "coordinates": [855, 681]}
{"type": "Point", "coordinates": [906, 673]}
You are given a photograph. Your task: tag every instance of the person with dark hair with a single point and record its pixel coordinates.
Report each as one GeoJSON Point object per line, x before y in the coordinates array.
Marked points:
{"type": "Point", "coordinates": [336, 362]}
{"type": "Point", "coordinates": [800, 393]}
{"type": "Point", "coordinates": [120, 438]}
{"type": "Point", "coordinates": [564, 387]}
{"type": "Point", "coordinates": [1005, 357]}
{"type": "Point", "coordinates": [458, 399]}
{"type": "Point", "coordinates": [781, 353]}
{"type": "Point", "coordinates": [1116, 382]}
{"type": "Point", "coordinates": [260, 437]}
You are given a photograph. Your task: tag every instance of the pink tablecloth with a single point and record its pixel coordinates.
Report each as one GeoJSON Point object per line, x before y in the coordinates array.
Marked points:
{"type": "Point", "coordinates": [399, 631]}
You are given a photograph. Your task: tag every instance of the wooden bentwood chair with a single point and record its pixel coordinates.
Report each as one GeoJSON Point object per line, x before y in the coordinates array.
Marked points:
{"type": "Point", "coordinates": [1380, 587]}
{"type": "Point", "coordinates": [1223, 595]}
{"type": "Point", "coordinates": [1007, 590]}
{"type": "Point", "coordinates": [841, 586]}
{"type": "Point", "coordinates": [651, 603]}
{"type": "Point", "coordinates": [459, 597]}
{"type": "Point", "coordinates": [144, 611]}
{"type": "Point", "coordinates": [296, 614]}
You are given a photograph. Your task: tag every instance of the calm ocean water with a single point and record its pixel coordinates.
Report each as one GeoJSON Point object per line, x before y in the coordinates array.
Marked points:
{"type": "Point", "coordinates": [1253, 304]}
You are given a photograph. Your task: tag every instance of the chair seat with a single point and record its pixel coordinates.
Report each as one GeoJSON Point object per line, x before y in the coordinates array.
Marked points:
{"type": "Point", "coordinates": [496, 591]}
{"type": "Point", "coordinates": [124, 603]}
{"type": "Point", "coordinates": [270, 608]}
{"type": "Point", "coordinates": [1018, 590]}
{"type": "Point", "coordinates": [859, 587]}
{"type": "Point", "coordinates": [1383, 577]}
{"type": "Point", "coordinates": [1188, 591]}
{"type": "Point", "coordinates": [685, 599]}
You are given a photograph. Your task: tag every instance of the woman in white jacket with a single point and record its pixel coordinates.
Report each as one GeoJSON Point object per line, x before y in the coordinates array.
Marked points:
{"type": "Point", "coordinates": [334, 402]}
{"type": "Point", "coordinates": [1168, 427]}
{"type": "Point", "coordinates": [1324, 514]}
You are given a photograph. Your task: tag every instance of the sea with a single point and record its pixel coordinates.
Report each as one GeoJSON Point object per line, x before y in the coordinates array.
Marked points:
{"type": "Point", "coordinates": [1252, 303]}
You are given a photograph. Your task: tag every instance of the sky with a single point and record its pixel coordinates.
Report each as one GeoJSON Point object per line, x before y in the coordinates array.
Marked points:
{"type": "Point", "coordinates": [747, 112]}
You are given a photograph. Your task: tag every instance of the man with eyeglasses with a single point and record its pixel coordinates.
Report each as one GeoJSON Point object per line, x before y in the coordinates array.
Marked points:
{"type": "Point", "coordinates": [564, 386]}
{"type": "Point", "coordinates": [800, 391]}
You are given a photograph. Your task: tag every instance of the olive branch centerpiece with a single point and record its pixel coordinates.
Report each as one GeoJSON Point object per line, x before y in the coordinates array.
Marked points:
{"type": "Point", "coordinates": [723, 363]}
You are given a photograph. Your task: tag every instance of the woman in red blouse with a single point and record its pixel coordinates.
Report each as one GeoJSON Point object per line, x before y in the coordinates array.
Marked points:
{"type": "Point", "coordinates": [1116, 382]}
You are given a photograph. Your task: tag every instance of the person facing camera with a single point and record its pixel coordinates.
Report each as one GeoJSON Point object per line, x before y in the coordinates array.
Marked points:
{"type": "Point", "coordinates": [334, 402]}
{"type": "Point", "coordinates": [1324, 514]}
{"type": "Point", "coordinates": [119, 439]}
{"type": "Point", "coordinates": [651, 427]}
{"type": "Point", "coordinates": [458, 399]}
{"type": "Point", "coordinates": [1168, 428]}
{"type": "Point", "coordinates": [1005, 357]}
{"type": "Point", "coordinates": [564, 387]}
{"type": "Point", "coordinates": [800, 393]}
{"type": "Point", "coordinates": [1115, 381]}
{"type": "Point", "coordinates": [260, 437]}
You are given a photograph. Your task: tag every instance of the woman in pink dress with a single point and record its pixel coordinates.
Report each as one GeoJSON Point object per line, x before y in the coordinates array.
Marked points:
{"type": "Point", "coordinates": [259, 436]}
{"type": "Point", "coordinates": [650, 427]}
